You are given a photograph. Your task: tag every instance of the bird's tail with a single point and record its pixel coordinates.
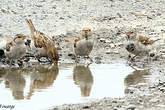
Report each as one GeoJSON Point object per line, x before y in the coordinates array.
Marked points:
{"type": "Point", "coordinates": [55, 56]}
{"type": "Point", "coordinates": [155, 40]}
{"type": "Point", "coordinates": [31, 27]}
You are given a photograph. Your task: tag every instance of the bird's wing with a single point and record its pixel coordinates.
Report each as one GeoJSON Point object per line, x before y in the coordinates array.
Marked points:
{"type": "Point", "coordinates": [77, 40]}
{"type": "Point", "coordinates": [144, 40]}
{"type": "Point", "coordinates": [74, 40]}
{"type": "Point", "coordinates": [42, 40]}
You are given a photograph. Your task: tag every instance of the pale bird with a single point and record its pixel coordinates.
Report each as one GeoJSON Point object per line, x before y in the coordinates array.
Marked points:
{"type": "Point", "coordinates": [83, 45]}
{"type": "Point", "coordinates": [16, 48]}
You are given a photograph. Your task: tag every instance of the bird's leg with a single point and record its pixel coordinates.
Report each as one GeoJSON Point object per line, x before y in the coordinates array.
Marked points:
{"type": "Point", "coordinates": [148, 58]}
{"type": "Point", "coordinates": [91, 61]}
{"type": "Point", "coordinates": [128, 58]}
{"type": "Point", "coordinates": [133, 58]}
{"type": "Point", "coordinates": [76, 59]}
{"type": "Point", "coordinates": [55, 62]}
{"type": "Point", "coordinates": [132, 67]}
{"type": "Point", "coordinates": [10, 62]}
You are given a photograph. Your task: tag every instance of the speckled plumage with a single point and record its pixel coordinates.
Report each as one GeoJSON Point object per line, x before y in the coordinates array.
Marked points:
{"type": "Point", "coordinates": [44, 43]}
{"type": "Point", "coordinates": [139, 45]}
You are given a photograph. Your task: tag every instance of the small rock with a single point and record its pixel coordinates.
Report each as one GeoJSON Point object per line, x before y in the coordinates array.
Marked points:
{"type": "Point", "coordinates": [114, 101]}
{"type": "Point", "coordinates": [108, 52]}
{"type": "Point", "coordinates": [33, 61]}
{"type": "Point", "coordinates": [97, 58]}
{"type": "Point", "coordinates": [86, 107]}
{"type": "Point", "coordinates": [39, 6]}
{"type": "Point", "coordinates": [112, 45]}
{"type": "Point", "coordinates": [54, 7]}
{"type": "Point", "coordinates": [59, 48]}
{"type": "Point", "coordinates": [42, 1]}
{"type": "Point", "coordinates": [34, 12]}
{"type": "Point", "coordinates": [4, 11]}
{"type": "Point", "coordinates": [72, 55]}
{"type": "Point", "coordinates": [152, 54]}
{"type": "Point", "coordinates": [119, 15]}
{"type": "Point", "coordinates": [131, 108]}
{"type": "Point", "coordinates": [102, 40]}
{"type": "Point", "coordinates": [162, 89]}
{"type": "Point", "coordinates": [61, 18]}
{"type": "Point", "coordinates": [13, 12]}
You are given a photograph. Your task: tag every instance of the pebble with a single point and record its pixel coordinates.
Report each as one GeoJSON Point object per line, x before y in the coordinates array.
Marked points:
{"type": "Point", "coordinates": [103, 40]}
{"type": "Point", "coordinates": [112, 45]}
{"type": "Point", "coordinates": [108, 52]}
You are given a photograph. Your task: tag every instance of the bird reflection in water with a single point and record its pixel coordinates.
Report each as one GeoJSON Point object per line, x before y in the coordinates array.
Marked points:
{"type": "Point", "coordinates": [137, 76]}
{"type": "Point", "coordinates": [16, 82]}
{"type": "Point", "coordinates": [2, 74]}
{"type": "Point", "coordinates": [42, 77]}
{"type": "Point", "coordinates": [83, 78]}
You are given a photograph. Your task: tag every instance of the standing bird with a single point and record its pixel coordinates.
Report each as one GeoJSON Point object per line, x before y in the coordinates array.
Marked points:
{"type": "Point", "coordinates": [83, 45]}
{"type": "Point", "coordinates": [139, 45]}
{"type": "Point", "coordinates": [44, 43]}
{"type": "Point", "coordinates": [16, 49]}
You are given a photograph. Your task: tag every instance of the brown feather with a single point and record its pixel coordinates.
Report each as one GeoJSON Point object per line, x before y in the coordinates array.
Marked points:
{"type": "Point", "coordinates": [146, 41]}
{"type": "Point", "coordinates": [43, 41]}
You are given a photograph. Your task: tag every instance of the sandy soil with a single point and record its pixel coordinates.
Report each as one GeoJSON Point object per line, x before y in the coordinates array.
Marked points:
{"type": "Point", "coordinates": [109, 20]}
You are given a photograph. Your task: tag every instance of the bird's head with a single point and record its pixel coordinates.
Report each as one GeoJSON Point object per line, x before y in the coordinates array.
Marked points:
{"type": "Point", "coordinates": [19, 38]}
{"type": "Point", "coordinates": [131, 35]}
{"type": "Point", "coordinates": [86, 33]}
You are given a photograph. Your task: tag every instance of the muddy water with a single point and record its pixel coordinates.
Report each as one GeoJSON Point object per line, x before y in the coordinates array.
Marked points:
{"type": "Point", "coordinates": [42, 87]}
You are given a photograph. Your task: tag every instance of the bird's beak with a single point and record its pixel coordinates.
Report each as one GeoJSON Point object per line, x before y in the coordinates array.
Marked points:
{"type": "Point", "coordinates": [23, 37]}
{"type": "Point", "coordinates": [128, 33]}
{"type": "Point", "coordinates": [86, 31]}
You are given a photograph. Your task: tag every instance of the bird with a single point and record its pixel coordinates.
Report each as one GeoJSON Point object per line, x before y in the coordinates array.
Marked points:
{"type": "Point", "coordinates": [83, 45]}
{"type": "Point", "coordinates": [139, 45]}
{"type": "Point", "coordinates": [82, 77]}
{"type": "Point", "coordinates": [41, 77]}
{"type": "Point", "coordinates": [43, 43]}
{"type": "Point", "coordinates": [15, 81]}
{"type": "Point", "coordinates": [16, 48]}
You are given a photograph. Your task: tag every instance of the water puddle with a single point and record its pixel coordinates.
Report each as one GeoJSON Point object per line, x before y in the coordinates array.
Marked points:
{"type": "Point", "coordinates": [42, 87]}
